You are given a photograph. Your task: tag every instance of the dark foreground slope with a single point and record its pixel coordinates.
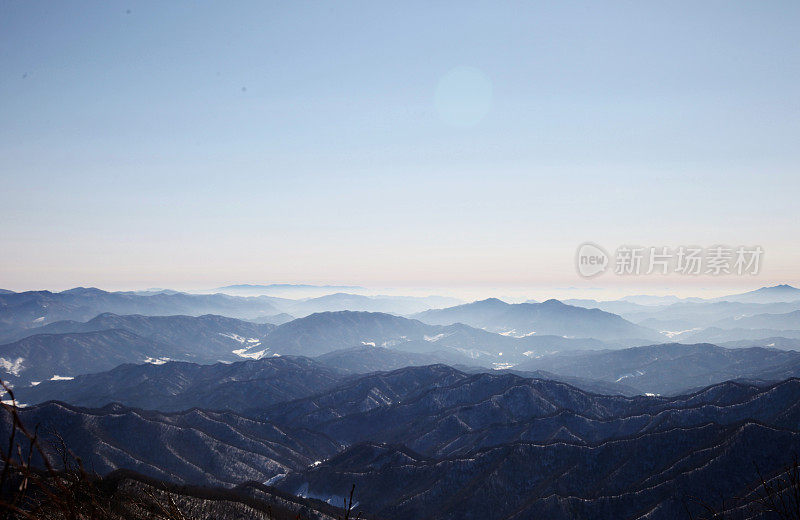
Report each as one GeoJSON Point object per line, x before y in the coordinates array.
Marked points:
{"type": "Point", "coordinates": [195, 447]}
{"type": "Point", "coordinates": [127, 495]}
{"type": "Point", "coordinates": [488, 410]}
{"type": "Point", "coordinates": [654, 476]}
{"type": "Point", "coordinates": [435, 442]}
{"type": "Point", "coordinates": [506, 447]}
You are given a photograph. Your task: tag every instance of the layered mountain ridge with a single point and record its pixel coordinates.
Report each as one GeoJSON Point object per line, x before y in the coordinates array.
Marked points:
{"type": "Point", "coordinates": [410, 437]}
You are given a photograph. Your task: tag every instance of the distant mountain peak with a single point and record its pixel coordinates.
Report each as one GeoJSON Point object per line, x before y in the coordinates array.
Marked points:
{"type": "Point", "coordinates": [782, 286]}
{"type": "Point", "coordinates": [322, 314]}
{"type": "Point", "coordinates": [770, 294]}
{"type": "Point", "coordinates": [83, 290]}
{"type": "Point", "coordinates": [551, 317]}
{"type": "Point", "coordinates": [106, 315]}
{"type": "Point", "coordinates": [491, 301]}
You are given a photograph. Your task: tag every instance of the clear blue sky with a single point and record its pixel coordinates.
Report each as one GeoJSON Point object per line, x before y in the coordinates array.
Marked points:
{"type": "Point", "coordinates": [191, 144]}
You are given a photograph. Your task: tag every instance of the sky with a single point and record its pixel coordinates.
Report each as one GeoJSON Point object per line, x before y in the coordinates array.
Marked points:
{"type": "Point", "coordinates": [393, 145]}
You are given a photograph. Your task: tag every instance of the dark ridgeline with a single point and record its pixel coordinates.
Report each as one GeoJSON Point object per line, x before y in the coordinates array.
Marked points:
{"type": "Point", "coordinates": [248, 385]}
{"type": "Point", "coordinates": [436, 442]}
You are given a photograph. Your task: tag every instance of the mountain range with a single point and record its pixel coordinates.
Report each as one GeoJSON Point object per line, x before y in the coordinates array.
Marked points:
{"type": "Point", "coordinates": [209, 336]}
{"type": "Point", "coordinates": [505, 447]}
{"type": "Point", "coordinates": [53, 356]}
{"type": "Point", "coordinates": [548, 318]}
{"type": "Point", "coordinates": [677, 315]}
{"type": "Point", "coordinates": [784, 321]}
{"type": "Point", "coordinates": [209, 339]}
{"type": "Point", "coordinates": [718, 335]}
{"type": "Point", "coordinates": [25, 310]}
{"type": "Point", "coordinates": [674, 367]}
{"type": "Point", "coordinates": [773, 294]}
{"type": "Point", "coordinates": [326, 332]}
{"type": "Point", "coordinates": [356, 302]}
{"type": "Point", "coordinates": [486, 410]}
{"type": "Point", "coordinates": [193, 446]}
{"type": "Point", "coordinates": [108, 340]}
{"type": "Point", "coordinates": [652, 475]}
{"type": "Point", "coordinates": [69, 348]}
{"type": "Point", "coordinates": [30, 309]}
{"type": "Point", "coordinates": [174, 386]}
{"type": "Point", "coordinates": [438, 442]}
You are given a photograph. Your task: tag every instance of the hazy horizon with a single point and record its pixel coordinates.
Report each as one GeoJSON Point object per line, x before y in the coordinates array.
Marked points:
{"type": "Point", "coordinates": [511, 294]}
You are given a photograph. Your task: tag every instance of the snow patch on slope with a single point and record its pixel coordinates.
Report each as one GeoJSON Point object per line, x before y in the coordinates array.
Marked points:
{"type": "Point", "coordinates": [156, 361]}
{"type": "Point", "coordinates": [271, 481]}
{"type": "Point", "coordinates": [12, 366]}
{"type": "Point", "coordinates": [246, 353]}
{"type": "Point", "coordinates": [503, 366]}
{"type": "Point", "coordinates": [638, 373]}
{"type": "Point", "coordinates": [674, 333]}
{"type": "Point", "coordinates": [240, 339]}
